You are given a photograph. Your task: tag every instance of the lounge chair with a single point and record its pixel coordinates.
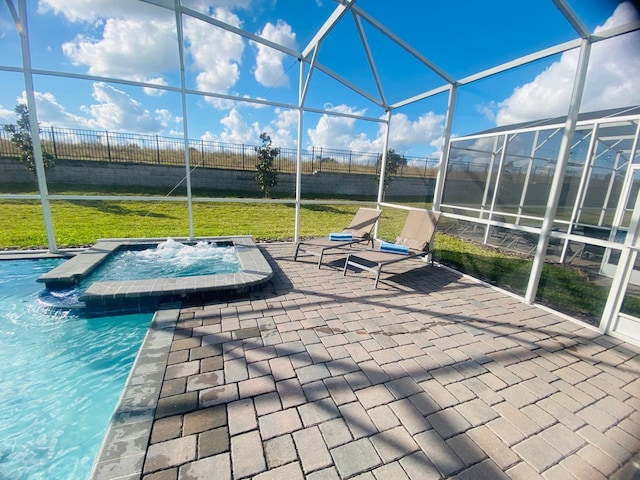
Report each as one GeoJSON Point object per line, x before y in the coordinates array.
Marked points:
{"type": "Point", "coordinates": [415, 240]}
{"type": "Point", "coordinates": [358, 231]}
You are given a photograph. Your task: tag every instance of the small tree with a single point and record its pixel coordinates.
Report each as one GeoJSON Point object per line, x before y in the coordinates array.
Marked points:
{"type": "Point", "coordinates": [266, 173]}
{"type": "Point", "coordinates": [21, 138]}
{"type": "Point", "coordinates": [394, 162]}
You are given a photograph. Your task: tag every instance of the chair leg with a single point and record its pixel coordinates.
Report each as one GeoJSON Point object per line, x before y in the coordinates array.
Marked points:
{"type": "Point", "coordinates": [375, 285]}
{"type": "Point", "coordinates": [295, 255]}
{"type": "Point", "coordinates": [320, 257]}
{"type": "Point", "coordinates": [346, 264]}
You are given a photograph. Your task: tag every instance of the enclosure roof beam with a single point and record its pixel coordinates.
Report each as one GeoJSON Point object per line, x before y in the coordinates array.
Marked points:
{"type": "Point", "coordinates": [372, 64]}
{"type": "Point", "coordinates": [225, 26]}
{"type": "Point", "coordinates": [572, 18]}
{"type": "Point", "coordinates": [243, 33]}
{"type": "Point", "coordinates": [421, 58]}
{"type": "Point", "coordinates": [563, 47]}
{"type": "Point", "coordinates": [349, 84]}
{"type": "Point", "coordinates": [421, 96]}
{"type": "Point", "coordinates": [521, 61]}
{"type": "Point", "coordinates": [333, 19]}
{"type": "Point", "coordinates": [342, 114]}
{"type": "Point", "coordinates": [526, 59]}
{"type": "Point", "coordinates": [616, 31]}
{"type": "Point", "coordinates": [160, 3]}
{"type": "Point", "coordinates": [305, 87]}
{"type": "Point", "coordinates": [14, 15]}
{"type": "Point", "coordinates": [196, 92]}
{"type": "Point", "coordinates": [315, 42]}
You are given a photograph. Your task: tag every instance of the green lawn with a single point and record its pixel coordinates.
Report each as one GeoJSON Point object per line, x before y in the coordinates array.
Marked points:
{"type": "Point", "coordinates": [80, 223]}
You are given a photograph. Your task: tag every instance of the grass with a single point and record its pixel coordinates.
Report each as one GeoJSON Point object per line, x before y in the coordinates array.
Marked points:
{"type": "Point", "coordinates": [79, 223]}
{"type": "Point", "coordinates": [564, 288]}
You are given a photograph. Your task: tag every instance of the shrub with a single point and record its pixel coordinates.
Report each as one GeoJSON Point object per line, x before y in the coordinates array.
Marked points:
{"type": "Point", "coordinates": [21, 138]}
{"type": "Point", "coordinates": [266, 173]}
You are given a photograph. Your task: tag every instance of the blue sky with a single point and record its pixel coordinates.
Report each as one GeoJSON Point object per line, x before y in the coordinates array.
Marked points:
{"type": "Point", "coordinates": [135, 41]}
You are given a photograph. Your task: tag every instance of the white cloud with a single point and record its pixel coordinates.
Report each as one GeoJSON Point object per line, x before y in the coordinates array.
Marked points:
{"type": "Point", "coordinates": [612, 78]}
{"type": "Point", "coordinates": [337, 131]}
{"type": "Point", "coordinates": [205, 6]}
{"type": "Point", "coordinates": [269, 70]}
{"type": "Point", "coordinates": [236, 130]}
{"type": "Point", "coordinates": [614, 70]}
{"type": "Point", "coordinates": [93, 10]}
{"type": "Point", "coordinates": [217, 53]}
{"type": "Point", "coordinates": [155, 92]}
{"type": "Point", "coordinates": [134, 49]}
{"type": "Point", "coordinates": [137, 41]}
{"type": "Point", "coordinates": [283, 128]}
{"type": "Point", "coordinates": [6, 27]}
{"type": "Point", "coordinates": [7, 116]}
{"type": "Point", "coordinates": [405, 134]}
{"type": "Point", "coordinates": [50, 112]}
{"type": "Point", "coordinates": [286, 120]}
{"type": "Point", "coordinates": [116, 110]}
{"type": "Point", "coordinates": [165, 117]}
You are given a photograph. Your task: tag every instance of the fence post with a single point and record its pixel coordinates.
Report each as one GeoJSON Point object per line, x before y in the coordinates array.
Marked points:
{"type": "Point", "coordinates": [158, 149]}
{"type": "Point", "coordinates": [53, 140]}
{"type": "Point", "coordinates": [108, 146]}
{"type": "Point", "coordinates": [320, 161]}
{"type": "Point", "coordinates": [349, 169]}
{"type": "Point", "coordinates": [202, 151]}
{"type": "Point", "coordinates": [313, 157]}
{"type": "Point", "coordinates": [243, 167]}
{"type": "Point", "coordinates": [425, 168]}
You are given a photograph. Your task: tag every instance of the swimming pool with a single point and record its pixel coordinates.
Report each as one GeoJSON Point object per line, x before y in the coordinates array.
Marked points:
{"type": "Point", "coordinates": [61, 376]}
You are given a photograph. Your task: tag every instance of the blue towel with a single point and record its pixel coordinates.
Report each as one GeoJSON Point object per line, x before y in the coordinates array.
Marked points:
{"type": "Point", "coordinates": [394, 248]}
{"type": "Point", "coordinates": [340, 237]}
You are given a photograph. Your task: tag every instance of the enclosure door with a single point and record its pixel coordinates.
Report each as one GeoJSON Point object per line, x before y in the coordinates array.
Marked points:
{"type": "Point", "coordinates": [620, 226]}
{"type": "Point", "coordinates": [625, 293]}
{"type": "Point", "coordinates": [626, 321]}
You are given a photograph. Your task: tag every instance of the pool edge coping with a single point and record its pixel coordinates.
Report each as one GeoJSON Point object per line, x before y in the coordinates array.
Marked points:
{"type": "Point", "coordinates": [124, 445]}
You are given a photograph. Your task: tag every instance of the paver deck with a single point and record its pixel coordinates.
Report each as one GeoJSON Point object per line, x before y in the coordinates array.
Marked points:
{"type": "Point", "coordinates": [320, 376]}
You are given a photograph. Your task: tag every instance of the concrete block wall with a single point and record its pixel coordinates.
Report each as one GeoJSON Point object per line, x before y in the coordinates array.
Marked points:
{"type": "Point", "coordinates": [146, 175]}
{"type": "Point", "coordinates": [12, 171]}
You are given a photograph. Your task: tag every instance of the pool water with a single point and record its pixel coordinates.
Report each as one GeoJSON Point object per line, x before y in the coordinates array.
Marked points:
{"type": "Point", "coordinates": [169, 259]}
{"type": "Point", "coordinates": [61, 376]}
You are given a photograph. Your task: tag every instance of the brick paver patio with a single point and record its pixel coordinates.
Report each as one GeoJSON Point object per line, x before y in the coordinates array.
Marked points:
{"type": "Point", "coordinates": [432, 375]}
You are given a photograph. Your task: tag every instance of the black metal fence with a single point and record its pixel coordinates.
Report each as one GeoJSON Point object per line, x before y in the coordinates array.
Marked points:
{"type": "Point", "coordinates": [75, 144]}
